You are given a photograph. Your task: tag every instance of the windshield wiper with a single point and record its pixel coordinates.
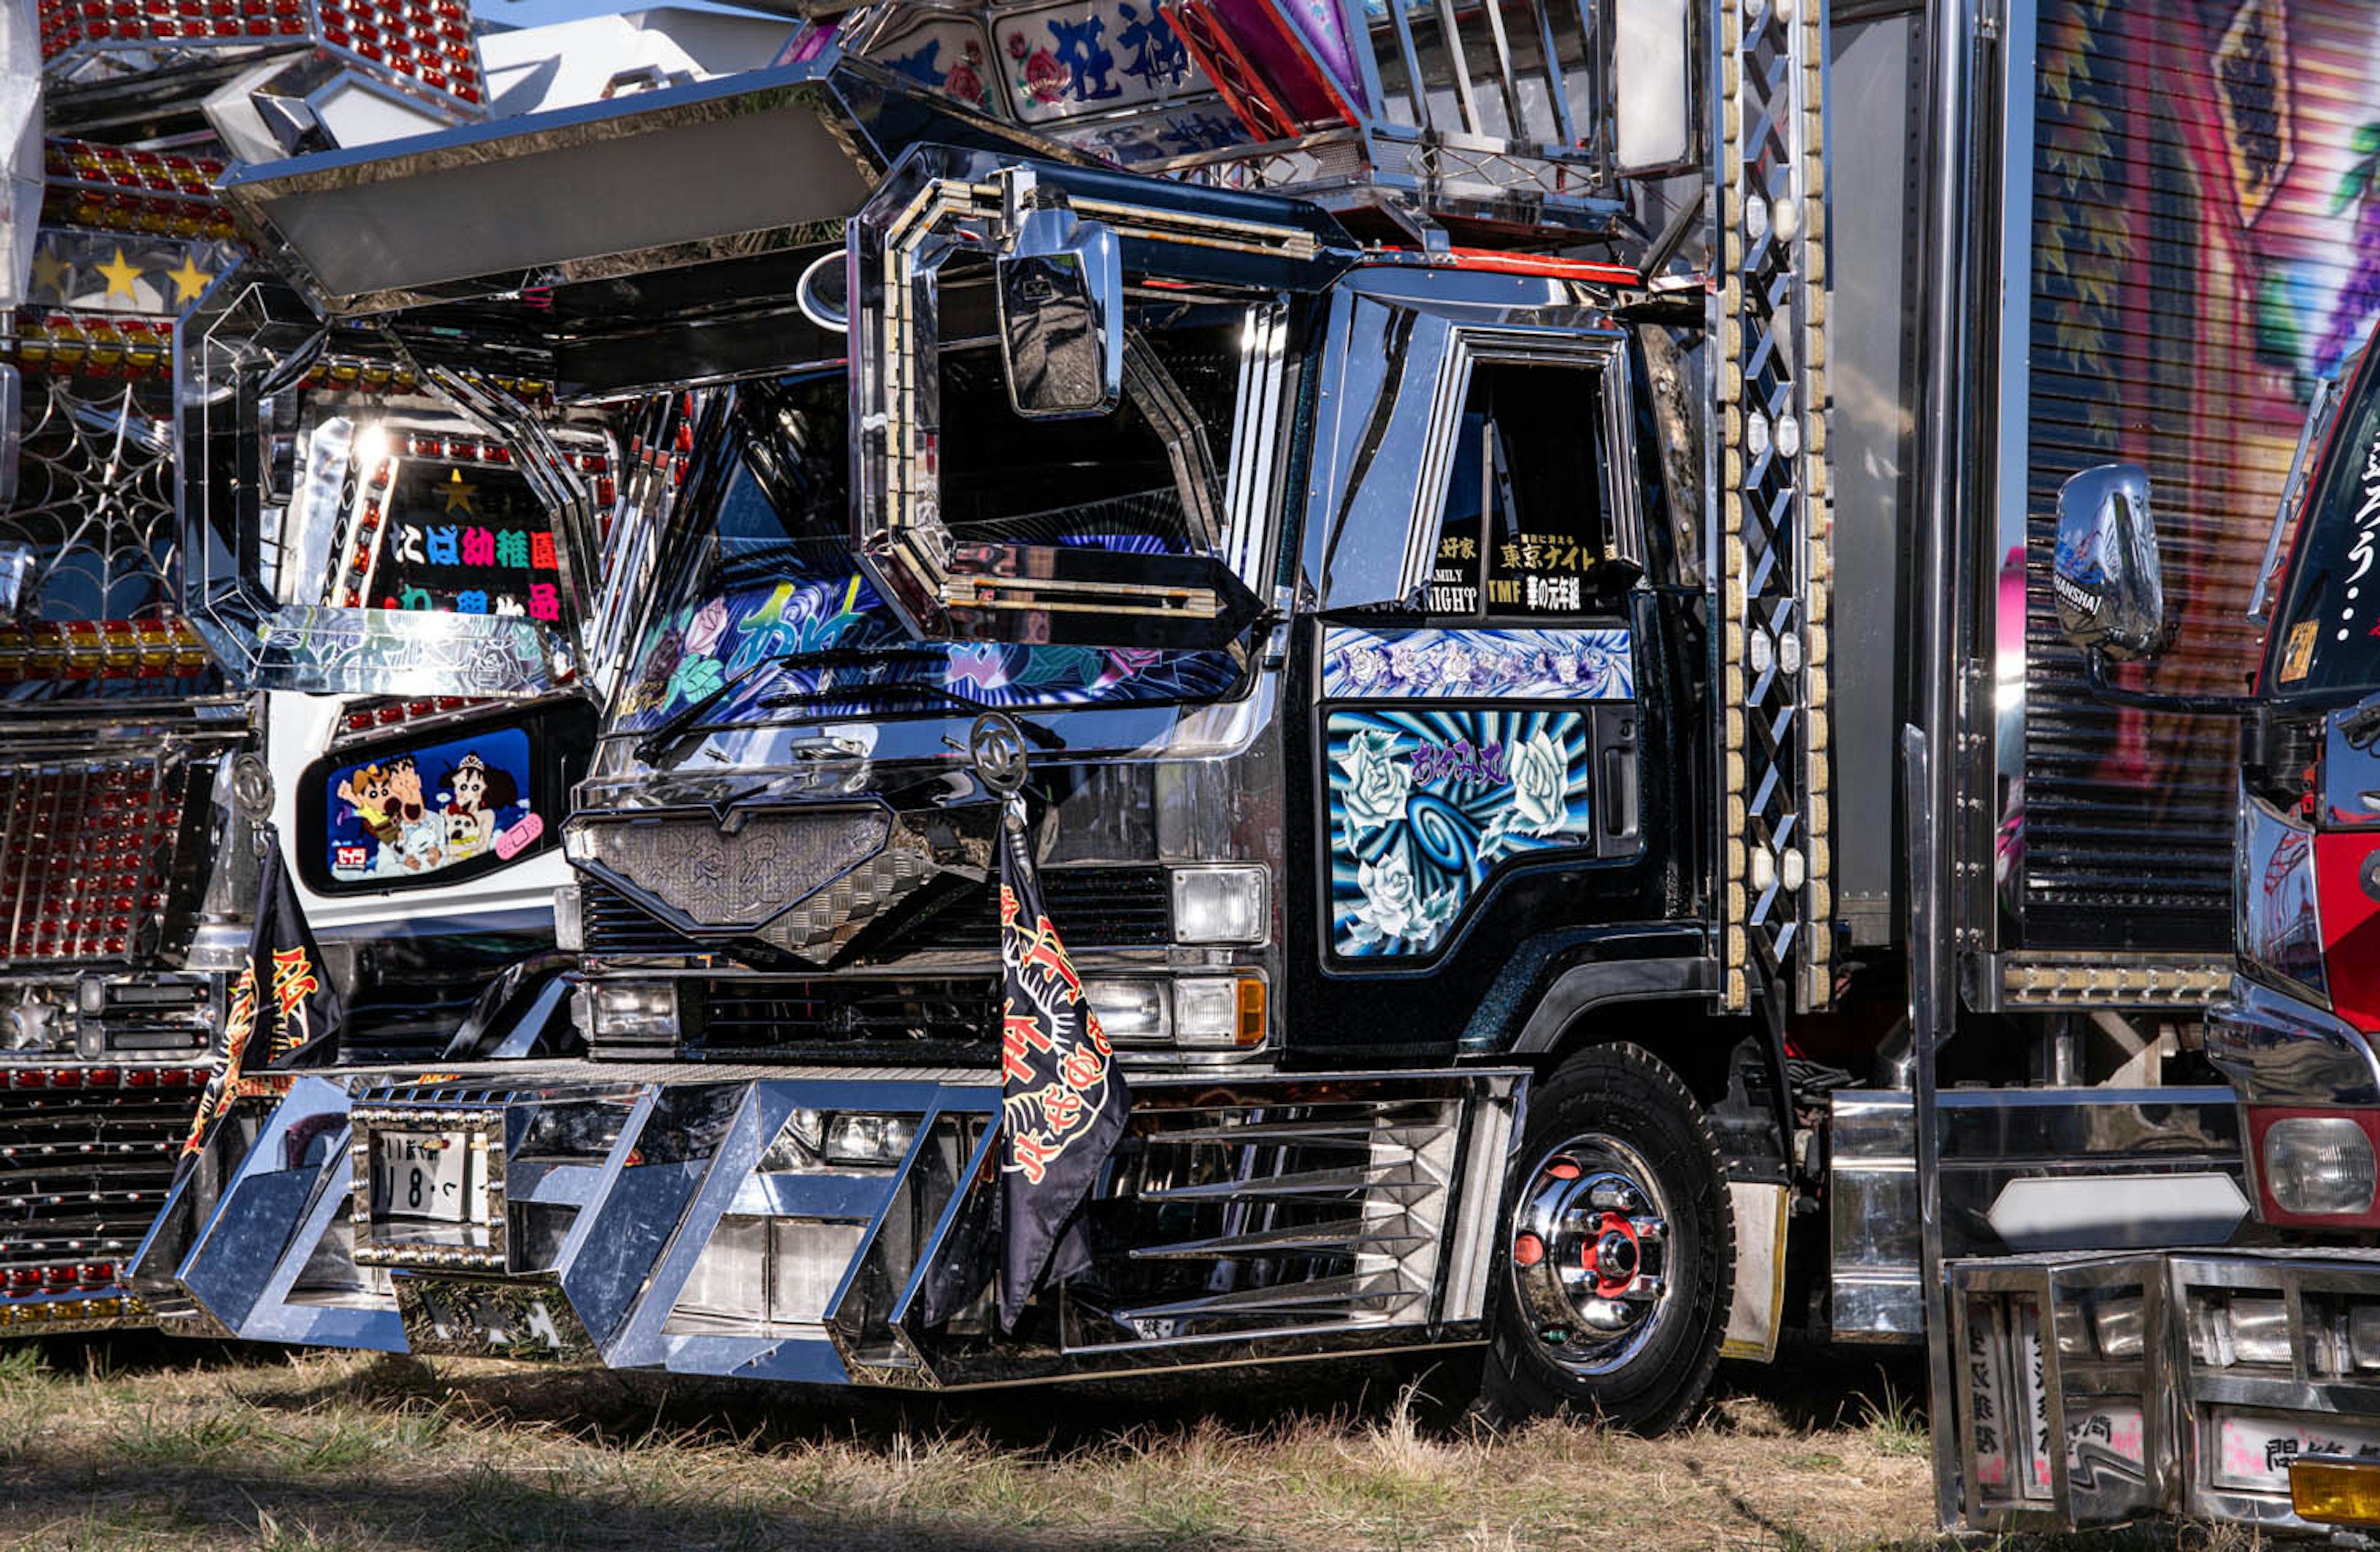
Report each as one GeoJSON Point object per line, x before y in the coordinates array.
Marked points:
{"type": "Point", "coordinates": [662, 739]}
{"type": "Point", "coordinates": [899, 688]}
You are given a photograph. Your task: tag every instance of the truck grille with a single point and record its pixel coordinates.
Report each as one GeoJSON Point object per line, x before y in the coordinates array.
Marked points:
{"type": "Point", "coordinates": [615, 925]}
{"type": "Point", "coordinates": [847, 1019]}
{"type": "Point", "coordinates": [87, 851]}
{"type": "Point", "coordinates": [86, 1156]}
{"type": "Point", "coordinates": [1093, 907]}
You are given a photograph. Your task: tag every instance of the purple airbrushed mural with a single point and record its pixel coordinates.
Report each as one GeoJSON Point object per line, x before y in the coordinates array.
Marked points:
{"type": "Point", "coordinates": [695, 649]}
{"type": "Point", "coordinates": [1430, 663]}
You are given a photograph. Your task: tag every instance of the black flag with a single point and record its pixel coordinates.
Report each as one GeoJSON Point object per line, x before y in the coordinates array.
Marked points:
{"type": "Point", "coordinates": [1063, 1099]}
{"type": "Point", "coordinates": [282, 989]}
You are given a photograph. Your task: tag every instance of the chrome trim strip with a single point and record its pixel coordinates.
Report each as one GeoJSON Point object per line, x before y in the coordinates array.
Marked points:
{"type": "Point", "coordinates": [2278, 1050]}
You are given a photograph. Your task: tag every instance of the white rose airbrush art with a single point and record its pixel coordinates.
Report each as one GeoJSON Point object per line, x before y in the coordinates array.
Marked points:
{"type": "Point", "coordinates": [1392, 910]}
{"type": "Point", "coordinates": [1378, 780]}
{"type": "Point", "coordinates": [1540, 770]}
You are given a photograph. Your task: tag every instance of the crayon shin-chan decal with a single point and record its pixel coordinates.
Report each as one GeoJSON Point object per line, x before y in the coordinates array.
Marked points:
{"type": "Point", "coordinates": [402, 816]}
{"type": "Point", "coordinates": [1426, 805]}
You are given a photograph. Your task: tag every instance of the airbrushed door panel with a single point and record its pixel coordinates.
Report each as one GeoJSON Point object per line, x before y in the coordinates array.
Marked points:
{"type": "Point", "coordinates": [1454, 756]}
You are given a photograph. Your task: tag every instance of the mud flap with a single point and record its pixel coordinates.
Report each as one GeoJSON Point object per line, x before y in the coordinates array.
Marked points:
{"type": "Point", "coordinates": [1756, 1311]}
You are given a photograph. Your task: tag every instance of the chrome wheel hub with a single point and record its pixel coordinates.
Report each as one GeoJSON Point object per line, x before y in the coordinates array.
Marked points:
{"type": "Point", "coordinates": [1588, 1253]}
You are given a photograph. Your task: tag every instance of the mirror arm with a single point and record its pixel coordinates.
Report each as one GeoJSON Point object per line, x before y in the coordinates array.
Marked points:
{"type": "Point", "coordinates": [2095, 671]}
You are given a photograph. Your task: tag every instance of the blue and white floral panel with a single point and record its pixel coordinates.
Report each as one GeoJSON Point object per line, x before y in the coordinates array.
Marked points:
{"type": "Point", "coordinates": [1432, 663]}
{"type": "Point", "coordinates": [1424, 805]}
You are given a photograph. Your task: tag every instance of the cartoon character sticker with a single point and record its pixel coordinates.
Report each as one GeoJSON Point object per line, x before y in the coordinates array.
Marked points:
{"type": "Point", "coordinates": [385, 822]}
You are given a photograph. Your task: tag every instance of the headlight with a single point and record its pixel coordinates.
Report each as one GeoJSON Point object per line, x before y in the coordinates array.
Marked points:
{"type": "Point", "coordinates": [1219, 904]}
{"type": "Point", "coordinates": [1226, 1011]}
{"type": "Point", "coordinates": [815, 1137]}
{"type": "Point", "coordinates": [2260, 1330]}
{"type": "Point", "coordinates": [1132, 1012]}
{"type": "Point", "coordinates": [1194, 1013]}
{"type": "Point", "coordinates": [2319, 1165]}
{"type": "Point", "coordinates": [858, 1137]}
{"type": "Point", "coordinates": [632, 1010]}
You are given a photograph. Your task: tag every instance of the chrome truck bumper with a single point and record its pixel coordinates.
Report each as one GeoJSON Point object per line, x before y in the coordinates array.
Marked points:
{"type": "Point", "coordinates": [2095, 1389]}
{"type": "Point", "coordinates": [781, 1224]}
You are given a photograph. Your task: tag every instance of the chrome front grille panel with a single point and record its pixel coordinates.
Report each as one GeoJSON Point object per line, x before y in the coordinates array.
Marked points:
{"type": "Point", "coordinates": [804, 881]}
{"type": "Point", "coordinates": [89, 848]}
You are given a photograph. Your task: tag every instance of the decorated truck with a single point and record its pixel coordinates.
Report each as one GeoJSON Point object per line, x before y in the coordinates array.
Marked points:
{"type": "Point", "coordinates": [2265, 1355]}
{"type": "Point", "coordinates": [1412, 646]}
{"type": "Point", "coordinates": [137, 780]}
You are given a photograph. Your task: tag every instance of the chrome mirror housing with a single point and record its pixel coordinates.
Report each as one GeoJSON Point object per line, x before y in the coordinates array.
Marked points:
{"type": "Point", "coordinates": [2110, 589]}
{"type": "Point", "coordinates": [1060, 293]}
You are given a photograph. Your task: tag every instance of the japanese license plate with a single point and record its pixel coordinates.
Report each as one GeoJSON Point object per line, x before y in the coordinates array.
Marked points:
{"type": "Point", "coordinates": [423, 1174]}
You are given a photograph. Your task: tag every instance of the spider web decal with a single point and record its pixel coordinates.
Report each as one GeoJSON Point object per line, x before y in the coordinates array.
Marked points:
{"type": "Point", "coordinates": [95, 501]}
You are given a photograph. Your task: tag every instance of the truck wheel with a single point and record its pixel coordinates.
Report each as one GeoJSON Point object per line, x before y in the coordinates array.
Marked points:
{"type": "Point", "coordinates": [1609, 1286]}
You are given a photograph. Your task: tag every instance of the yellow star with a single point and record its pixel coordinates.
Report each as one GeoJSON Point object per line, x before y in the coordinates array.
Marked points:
{"type": "Point", "coordinates": [120, 276]}
{"type": "Point", "coordinates": [459, 493]}
{"type": "Point", "coordinates": [189, 281]}
{"type": "Point", "coordinates": [52, 271]}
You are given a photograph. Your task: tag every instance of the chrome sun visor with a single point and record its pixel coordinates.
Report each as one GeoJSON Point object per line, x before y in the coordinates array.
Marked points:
{"type": "Point", "coordinates": [758, 162]}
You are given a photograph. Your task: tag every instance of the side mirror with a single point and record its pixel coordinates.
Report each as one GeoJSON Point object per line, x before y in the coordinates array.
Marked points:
{"type": "Point", "coordinates": [2110, 589]}
{"type": "Point", "coordinates": [1060, 283]}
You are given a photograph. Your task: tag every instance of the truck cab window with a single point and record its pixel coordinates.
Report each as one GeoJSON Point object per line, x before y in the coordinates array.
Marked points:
{"type": "Point", "coordinates": [468, 543]}
{"type": "Point", "coordinates": [1143, 479]}
{"type": "Point", "coordinates": [1526, 527]}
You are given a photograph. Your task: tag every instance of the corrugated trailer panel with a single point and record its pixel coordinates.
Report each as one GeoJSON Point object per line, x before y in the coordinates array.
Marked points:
{"type": "Point", "coordinates": [2206, 242]}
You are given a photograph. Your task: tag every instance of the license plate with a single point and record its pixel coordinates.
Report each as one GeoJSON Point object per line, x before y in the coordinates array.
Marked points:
{"type": "Point", "coordinates": [423, 1175]}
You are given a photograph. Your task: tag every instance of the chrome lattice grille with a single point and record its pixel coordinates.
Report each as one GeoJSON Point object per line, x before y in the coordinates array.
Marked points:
{"type": "Point", "coordinates": [86, 850]}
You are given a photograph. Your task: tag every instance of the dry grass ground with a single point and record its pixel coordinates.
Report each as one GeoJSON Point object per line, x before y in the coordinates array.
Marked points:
{"type": "Point", "coordinates": [147, 1446]}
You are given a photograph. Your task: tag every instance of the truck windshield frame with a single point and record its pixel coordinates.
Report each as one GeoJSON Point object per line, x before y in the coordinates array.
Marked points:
{"type": "Point", "coordinates": [761, 608]}
{"type": "Point", "coordinates": [2324, 640]}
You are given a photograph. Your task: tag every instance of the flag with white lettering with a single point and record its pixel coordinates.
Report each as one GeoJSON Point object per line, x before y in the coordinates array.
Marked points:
{"type": "Point", "coordinates": [282, 991]}
{"type": "Point", "coordinates": [1062, 1098]}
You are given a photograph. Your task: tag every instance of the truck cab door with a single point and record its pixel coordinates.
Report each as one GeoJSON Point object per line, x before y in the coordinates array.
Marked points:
{"type": "Point", "coordinates": [1476, 748]}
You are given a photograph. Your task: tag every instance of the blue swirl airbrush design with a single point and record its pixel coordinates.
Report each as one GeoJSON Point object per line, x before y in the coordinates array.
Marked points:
{"type": "Point", "coordinates": [1424, 805]}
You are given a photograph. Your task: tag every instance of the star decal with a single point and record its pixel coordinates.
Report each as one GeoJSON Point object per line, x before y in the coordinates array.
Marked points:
{"type": "Point", "coordinates": [53, 272]}
{"type": "Point", "coordinates": [459, 493]}
{"type": "Point", "coordinates": [121, 276]}
{"type": "Point", "coordinates": [189, 281]}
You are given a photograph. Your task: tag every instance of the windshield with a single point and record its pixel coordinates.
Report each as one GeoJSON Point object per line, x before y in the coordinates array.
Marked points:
{"type": "Point", "coordinates": [762, 574]}
{"type": "Point", "coordinates": [2326, 637]}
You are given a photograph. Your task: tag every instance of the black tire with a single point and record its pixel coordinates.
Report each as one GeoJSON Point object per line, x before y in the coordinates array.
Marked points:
{"type": "Point", "coordinates": [1608, 1115]}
